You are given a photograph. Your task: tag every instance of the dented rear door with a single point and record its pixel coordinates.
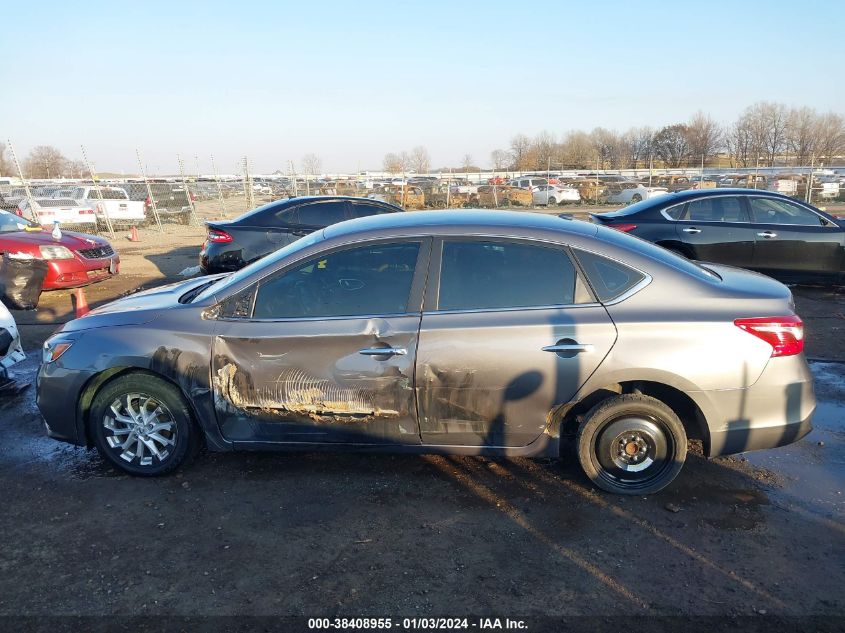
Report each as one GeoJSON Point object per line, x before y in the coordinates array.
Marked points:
{"type": "Point", "coordinates": [328, 351]}
{"type": "Point", "coordinates": [509, 332]}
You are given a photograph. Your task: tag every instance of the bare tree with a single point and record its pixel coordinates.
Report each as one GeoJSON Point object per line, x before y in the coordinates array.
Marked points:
{"type": "Point", "coordinates": [520, 146]}
{"type": "Point", "coordinates": [5, 164]}
{"type": "Point", "coordinates": [392, 163]}
{"type": "Point", "coordinates": [466, 163]}
{"type": "Point", "coordinates": [830, 140]}
{"type": "Point", "coordinates": [541, 150]}
{"type": "Point", "coordinates": [44, 161]}
{"type": "Point", "coordinates": [738, 140]}
{"type": "Point", "coordinates": [608, 148]}
{"type": "Point", "coordinates": [420, 160]}
{"type": "Point", "coordinates": [802, 126]}
{"type": "Point", "coordinates": [499, 158]}
{"type": "Point", "coordinates": [577, 151]}
{"type": "Point", "coordinates": [75, 169]}
{"type": "Point", "coordinates": [704, 136]}
{"type": "Point", "coordinates": [311, 164]}
{"type": "Point", "coordinates": [671, 145]}
{"type": "Point", "coordinates": [637, 143]}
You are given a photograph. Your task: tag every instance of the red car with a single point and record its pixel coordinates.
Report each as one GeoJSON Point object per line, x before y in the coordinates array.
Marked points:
{"type": "Point", "coordinates": [76, 259]}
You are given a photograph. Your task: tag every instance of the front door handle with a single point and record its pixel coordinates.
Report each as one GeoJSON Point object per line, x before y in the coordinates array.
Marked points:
{"type": "Point", "coordinates": [383, 351]}
{"type": "Point", "coordinates": [692, 229]}
{"type": "Point", "coordinates": [767, 234]}
{"type": "Point", "coordinates": [577, 348]}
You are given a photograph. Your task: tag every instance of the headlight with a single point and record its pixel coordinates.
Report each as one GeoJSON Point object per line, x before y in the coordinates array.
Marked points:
{"type": "Point", "coordinates": [55, 252]}
{"type": "Point", "coordinates": [52, 350]}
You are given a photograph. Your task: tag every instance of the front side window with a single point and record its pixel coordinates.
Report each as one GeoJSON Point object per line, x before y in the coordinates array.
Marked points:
{"type": "Point", "coordinates": [716, 209]}
{"type": "Point", "coordinates": [477, 275]}
{"type": "Point", "coordinates": [772, 211]}
{"type": "Point", "coordinates": [367, 280]}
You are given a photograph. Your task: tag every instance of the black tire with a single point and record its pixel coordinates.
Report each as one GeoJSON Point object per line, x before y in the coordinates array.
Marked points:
{"type": "Point", "coordinates": [636, 198]}
{"type": "Point", "coordinates": [135, 456]}
{"type": "Point", "coordinates": [631, 444]}
{"type": "Point", "coordinates": [551, 202]}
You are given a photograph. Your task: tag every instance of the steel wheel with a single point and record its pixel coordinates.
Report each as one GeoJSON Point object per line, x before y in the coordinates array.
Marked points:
{"type": "Point", "coordinates": [631, 444]}
{"type": "Point", "coordinates": [140, 429]}
{"type": "Point", "coordinates": [633, 451]}
{"type": "Point", "coordinates": [142, 424]}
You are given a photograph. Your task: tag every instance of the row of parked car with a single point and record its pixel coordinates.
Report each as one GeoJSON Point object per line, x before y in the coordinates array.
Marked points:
{"type": "Point", "coordinates": [88, 207]}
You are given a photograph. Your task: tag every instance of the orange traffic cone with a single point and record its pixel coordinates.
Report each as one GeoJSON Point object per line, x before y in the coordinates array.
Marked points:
{"type": "Point", "coordinates": [133, 235]}
{"type": "Point", "coordinates": [80, 303]}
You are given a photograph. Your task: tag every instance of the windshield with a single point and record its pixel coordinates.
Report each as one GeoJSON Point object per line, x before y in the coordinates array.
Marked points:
{"type": "Point", "coordinates": [219, 288]}
{"type": "Point", "coordinates": [9, 222]}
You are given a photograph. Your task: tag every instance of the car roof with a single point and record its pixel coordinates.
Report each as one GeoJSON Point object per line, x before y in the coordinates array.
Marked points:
{"type": "Point", "coordinates": [451, 221]}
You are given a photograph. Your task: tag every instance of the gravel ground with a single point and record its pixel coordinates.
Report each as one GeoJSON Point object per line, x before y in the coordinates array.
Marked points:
{"type": "Point", "coordinates": [760, 535]}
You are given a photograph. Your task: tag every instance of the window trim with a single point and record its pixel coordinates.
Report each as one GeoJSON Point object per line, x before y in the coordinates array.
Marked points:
{"type": "Point", "coordinates": [432, 291]}
{"type": "Point", "coordinates": [415, 297]}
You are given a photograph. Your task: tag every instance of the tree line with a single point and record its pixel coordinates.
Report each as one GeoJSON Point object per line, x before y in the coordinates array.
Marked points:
{"type": "Point", "coordinates": [765, 134]}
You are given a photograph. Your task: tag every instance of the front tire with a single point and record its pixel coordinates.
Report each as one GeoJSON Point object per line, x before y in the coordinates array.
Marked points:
{"type": "Point", "coordinates": [631, 444]}
{"type": "Point", "coordinates": [142, 425]}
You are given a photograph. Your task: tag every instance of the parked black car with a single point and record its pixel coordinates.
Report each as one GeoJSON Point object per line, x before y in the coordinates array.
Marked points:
{"type": "Point", "coordinates": [234, 244]}
{"type": "Point", "coordinates": [763, 231]}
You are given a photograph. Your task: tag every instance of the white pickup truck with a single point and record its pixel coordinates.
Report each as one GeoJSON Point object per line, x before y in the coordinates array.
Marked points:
{"type": "Point", "coordinates": [115, 202]}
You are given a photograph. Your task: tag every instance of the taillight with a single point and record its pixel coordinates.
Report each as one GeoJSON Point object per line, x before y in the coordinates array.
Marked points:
{"type": "Point", "coordinates": [218, 237]}
{"type": "Point", "coordinates": [625, 228]}
{"type": "Point", "coordinates": [785, 334]}
{"type": "Point", "coordinates": [86, 211]}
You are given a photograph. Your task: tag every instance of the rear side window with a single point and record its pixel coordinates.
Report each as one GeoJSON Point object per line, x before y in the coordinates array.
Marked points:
{"type": "Point", "coordinates": [609, 278]}
{"type": "Point", "coordinates": [319, 214]}
{"type": "Point", "coordinates": [717, 209]}
{"type": "Point", "coordinates": [477, 275]}
{"type": "Point", "coordinates": [362, 209]}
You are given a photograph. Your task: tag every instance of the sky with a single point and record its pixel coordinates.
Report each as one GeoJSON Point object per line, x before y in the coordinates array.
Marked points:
{"type": "Point", "coordinates": [351, 81]}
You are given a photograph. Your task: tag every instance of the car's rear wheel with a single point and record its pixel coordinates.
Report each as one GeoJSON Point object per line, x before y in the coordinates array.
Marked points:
{"type": "Point", "coordinates": [631, 444]}
{"type": "Point", "coordinates": [552, 202]}
{"type": "Point", "coordinates": [636, 198]}
{"type": "Point", "coordinates": [142, 425]}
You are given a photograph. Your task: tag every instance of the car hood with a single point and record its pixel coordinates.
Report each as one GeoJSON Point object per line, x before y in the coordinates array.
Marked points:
{"type": "Point", "coordinates": [70, 239]}
{"type": "Point", "coordinates": [140, 307]}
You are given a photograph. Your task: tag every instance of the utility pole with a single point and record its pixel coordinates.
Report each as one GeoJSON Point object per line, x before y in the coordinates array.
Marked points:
{"type": "Point", "coordinates": [95, 179]}
{"type": "Point", "coordinates": [193, 213]}
{"type": "Point", "coordinates": [149, 191]}
{"type": "Point", "coordinates": [219, 187]}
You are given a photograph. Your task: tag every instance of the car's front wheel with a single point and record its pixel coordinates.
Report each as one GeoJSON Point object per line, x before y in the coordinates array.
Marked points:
{"type": "Point", "coordinates": [631, 444]}
{"type": "Point", "coordinates": [142, 424]}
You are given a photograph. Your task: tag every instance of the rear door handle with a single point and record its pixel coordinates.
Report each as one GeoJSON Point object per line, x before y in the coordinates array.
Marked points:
{"type": "Point", "coordinates": [767, 234]}
{"type": "Point", "coordinates": [383, 351]}
{"type": "Point", "coordinates": [691, 229]}
{"type": "Point", "coordinates": [568, 347]}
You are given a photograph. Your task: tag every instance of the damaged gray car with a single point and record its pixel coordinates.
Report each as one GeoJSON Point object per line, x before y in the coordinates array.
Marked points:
{"type": "Point", "coordinates": [464, 332]}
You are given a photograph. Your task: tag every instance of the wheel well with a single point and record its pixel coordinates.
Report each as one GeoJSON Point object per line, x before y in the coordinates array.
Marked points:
{"type": "Point", "coordinates": [684, 407]}
{"type": "Point", "coordinates": [95, 384]}
{"type": "Point", "coordinates": [678, 247]}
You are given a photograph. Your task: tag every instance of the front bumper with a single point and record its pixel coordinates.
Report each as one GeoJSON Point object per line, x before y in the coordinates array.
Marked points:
{"type": "Point", "coordinates": [76, 272]}
{"type": "Point", "coordinates": [57, 392]}
{"type": "Point", "coordinates": [11, 351]}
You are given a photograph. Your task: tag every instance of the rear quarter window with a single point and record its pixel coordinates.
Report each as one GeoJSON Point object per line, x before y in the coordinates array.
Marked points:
{"type": "Point", "coordinates": [610, 279]}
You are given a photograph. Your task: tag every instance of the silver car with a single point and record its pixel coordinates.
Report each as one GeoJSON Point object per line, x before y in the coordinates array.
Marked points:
{"type": "Point", "coordinates": [467, 332]}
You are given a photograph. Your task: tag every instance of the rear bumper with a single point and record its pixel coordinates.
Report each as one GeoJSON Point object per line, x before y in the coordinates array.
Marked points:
{"type": "Point", "coordinates": [775, 411]}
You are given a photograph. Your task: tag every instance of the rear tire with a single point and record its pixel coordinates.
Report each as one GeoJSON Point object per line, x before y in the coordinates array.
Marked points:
{"type": "Point", "coordinates": [631, 445]}
{"type": "Point", "coordinates": [142, 425]}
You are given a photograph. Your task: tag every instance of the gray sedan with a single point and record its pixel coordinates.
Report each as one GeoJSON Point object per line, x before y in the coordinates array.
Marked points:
{"type": "Point", "coordinates": [468, 332]}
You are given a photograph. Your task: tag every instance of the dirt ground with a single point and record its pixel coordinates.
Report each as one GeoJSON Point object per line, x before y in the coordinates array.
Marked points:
{"type": "Point", "coordinates": [761, 534]}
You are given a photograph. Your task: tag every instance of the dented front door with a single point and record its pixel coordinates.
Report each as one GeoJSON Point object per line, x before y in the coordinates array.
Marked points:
{"type": "Point", "coordinates": [283, 374]}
